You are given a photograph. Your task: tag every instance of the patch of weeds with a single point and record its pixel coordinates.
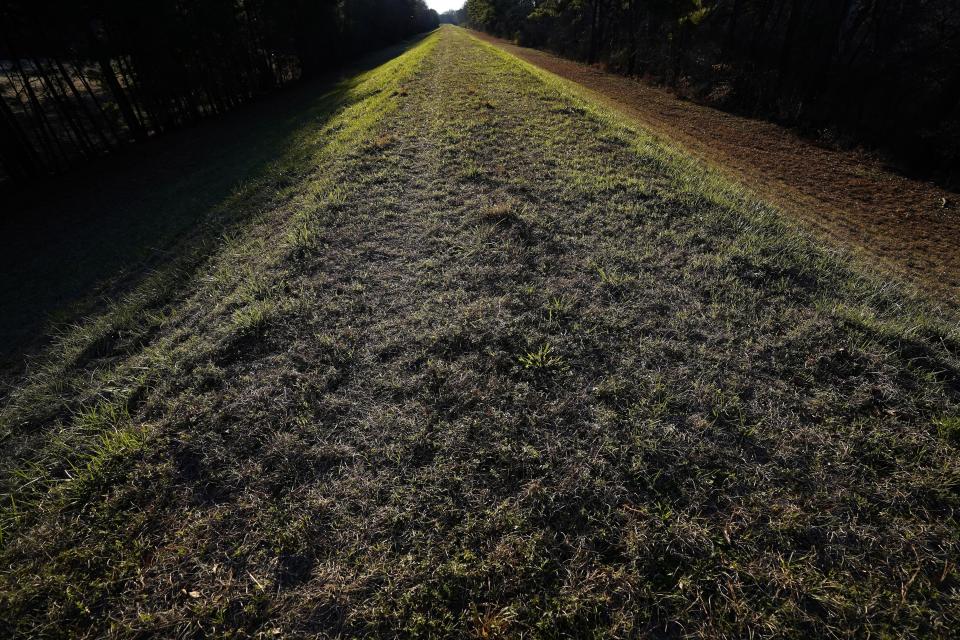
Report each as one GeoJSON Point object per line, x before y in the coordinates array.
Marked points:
{"type": "Point", "coordinates": [336, 197]}
{"type": "Point", "coordinates": [303, 237]}
{"type": "Point", "coordinates": [96, 470]}
{"type": "Point", "coordinates": [558, 307]}
{"type": "Point", "coordinates": [655, 401]}
{"type": "Point", "coordinates": [542, 359]}
{"type": "Point", "coordinates": [613, 278]}
{"type": "Point", "coordinates": [726, 409]}
{"type": "Point", "coordinates": [253, 316]}
{"type": "Point", "coordinates": [491, 622]}
{"type": "Point", "coordinates": [470, 171]}
{"type": "Point", "coordinates": [207, 376]}
{"type": "Point", "coordinates": [948, 428]}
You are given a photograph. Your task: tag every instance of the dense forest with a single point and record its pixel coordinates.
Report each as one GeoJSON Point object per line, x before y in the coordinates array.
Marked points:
{"type": "Point", "coordinates": [881, 72]}
{"type": "Point", "coordinates": [79, 79]}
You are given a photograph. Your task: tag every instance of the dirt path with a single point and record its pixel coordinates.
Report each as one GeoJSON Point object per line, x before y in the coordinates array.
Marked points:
{"type": "Point", "coordinates": [898, 222]}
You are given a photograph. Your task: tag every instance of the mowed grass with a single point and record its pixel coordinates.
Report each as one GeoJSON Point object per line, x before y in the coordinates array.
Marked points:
{"type": "Point", "coordinates": [490, 362]}
{"type": "Point", "coordinates": [98, 231]}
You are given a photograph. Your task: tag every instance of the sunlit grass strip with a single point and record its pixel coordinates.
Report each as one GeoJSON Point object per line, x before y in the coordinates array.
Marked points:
{"type": "Point", "coordinates": [698, 177]}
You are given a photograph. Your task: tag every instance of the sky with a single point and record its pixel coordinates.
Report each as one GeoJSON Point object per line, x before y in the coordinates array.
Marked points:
{"type": "Point", "coordinates": [444, 5]}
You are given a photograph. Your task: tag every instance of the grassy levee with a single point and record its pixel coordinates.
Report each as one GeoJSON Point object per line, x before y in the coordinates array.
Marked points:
{"type": "Point", "coordinates": [490, 361]}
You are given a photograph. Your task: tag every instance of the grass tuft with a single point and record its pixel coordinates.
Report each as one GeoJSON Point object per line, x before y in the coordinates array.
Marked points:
{"type": "Point", "coordinates": [542, 359]}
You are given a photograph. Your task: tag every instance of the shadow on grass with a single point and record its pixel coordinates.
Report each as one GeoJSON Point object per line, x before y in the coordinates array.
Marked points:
{"type": "Point", "coordinates": [68, 246]}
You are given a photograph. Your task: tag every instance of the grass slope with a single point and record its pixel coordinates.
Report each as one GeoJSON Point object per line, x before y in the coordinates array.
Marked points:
{"type": "Point", "coordinates": [483, 359]}
{"type": "Point", "coordinates": [103, 227]}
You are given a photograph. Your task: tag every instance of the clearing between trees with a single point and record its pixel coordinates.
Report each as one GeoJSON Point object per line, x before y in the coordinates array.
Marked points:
{"type": "Point", "coordinates": [478, 356]}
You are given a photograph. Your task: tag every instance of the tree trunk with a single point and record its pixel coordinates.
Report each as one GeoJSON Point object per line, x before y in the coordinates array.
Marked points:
{"type": "Point", "coordinates": [16, 150]}
{"type": "Point", "coordinates": [121, 98]}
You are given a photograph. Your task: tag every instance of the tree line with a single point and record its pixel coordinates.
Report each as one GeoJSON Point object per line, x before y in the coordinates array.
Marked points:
{"type": "Point", "coordinates": [80, 78]}
{"type": "Point", "coordinates": [885, 73]}
{"type": "Point", "coordinates": [454, 16]}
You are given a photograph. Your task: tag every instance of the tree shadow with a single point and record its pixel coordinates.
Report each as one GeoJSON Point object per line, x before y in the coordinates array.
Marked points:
{"type": "Point", "coordinates": [71, 243]}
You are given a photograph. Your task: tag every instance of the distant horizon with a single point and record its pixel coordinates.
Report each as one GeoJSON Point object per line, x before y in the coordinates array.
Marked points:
{"type": "Point", "coordinates": [441, 6]}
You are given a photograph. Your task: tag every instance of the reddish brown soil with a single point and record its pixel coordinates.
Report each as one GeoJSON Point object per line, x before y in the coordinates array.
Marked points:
{"type": "Point", "coordinates": [902, 224]}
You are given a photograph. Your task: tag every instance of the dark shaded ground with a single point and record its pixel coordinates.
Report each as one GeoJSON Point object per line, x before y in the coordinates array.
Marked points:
{"type": "Point", "coordinates": [67, 246]}
{"type": "Point", "coordinates": [899, 222]}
